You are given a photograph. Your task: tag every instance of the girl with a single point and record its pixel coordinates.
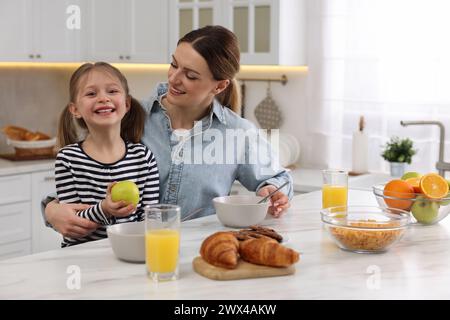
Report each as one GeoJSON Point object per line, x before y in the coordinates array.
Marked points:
{"type": "Point", "coordinates": [86, 169]}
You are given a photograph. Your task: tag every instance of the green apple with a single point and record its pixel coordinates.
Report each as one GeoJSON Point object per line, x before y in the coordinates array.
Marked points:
{"type": "Point", "coordinates": [126, 191]}
{"type": "Point", "coordinates": [424, 210]}
{"type": "Point", "coordinates": [446, 202]}
{"type": "Point", "coordinates": [411, 174]}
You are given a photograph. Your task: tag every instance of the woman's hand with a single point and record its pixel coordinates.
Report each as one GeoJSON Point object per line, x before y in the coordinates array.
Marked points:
{"type": "Point", "coordinates": [63, 217]}
{"type": "Point", "coordinates": [118, 208]}
{"type": "Point", "coordinates": [279, 202]}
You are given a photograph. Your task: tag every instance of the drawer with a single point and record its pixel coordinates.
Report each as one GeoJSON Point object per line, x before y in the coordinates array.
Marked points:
{"type": "Point", "coordinates": [15, 188]}
{"type": "Point", "coordinates": [15, 222]}
{"type": "Point", "coordinates": [15, 249]}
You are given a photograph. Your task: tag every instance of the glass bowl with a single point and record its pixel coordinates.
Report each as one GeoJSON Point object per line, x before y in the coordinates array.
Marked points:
{"type": "Point", "coordinates": [423, 210]}
{"type": "Point", "coordinates": [365, 229]}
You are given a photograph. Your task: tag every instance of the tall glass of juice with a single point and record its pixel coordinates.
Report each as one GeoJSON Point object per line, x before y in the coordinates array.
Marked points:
{"type": "Point", "coordinates": [334, 188]}
{"type": "Point", "coordinates": [162, 241]}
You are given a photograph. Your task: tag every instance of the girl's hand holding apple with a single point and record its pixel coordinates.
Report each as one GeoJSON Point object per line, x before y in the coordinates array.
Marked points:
{"type": "Point", "coordinates": [113, 206]}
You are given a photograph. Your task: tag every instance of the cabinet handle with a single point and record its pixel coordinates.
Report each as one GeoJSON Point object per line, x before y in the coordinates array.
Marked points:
{"type": "Point", "coordinates": [38, 56]}
{"type": "Point", "coordinates": [51, 178]}
{"type": "Point", "coordinates": [127, 57]}
{"type": "Point", "coordinates": [121, 57]}
{"type": "Point", "coordinates": [31, 56]}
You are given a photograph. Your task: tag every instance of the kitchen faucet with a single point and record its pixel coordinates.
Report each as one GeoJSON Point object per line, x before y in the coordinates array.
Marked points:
{"type": "Point", "coordinates": [441, 166]}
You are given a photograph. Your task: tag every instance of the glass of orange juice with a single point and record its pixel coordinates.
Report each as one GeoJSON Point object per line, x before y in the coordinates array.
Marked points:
{"type": "Point", "coordinates": [334, 188]}
{"type": "Point", "coordinates": [162, 241]}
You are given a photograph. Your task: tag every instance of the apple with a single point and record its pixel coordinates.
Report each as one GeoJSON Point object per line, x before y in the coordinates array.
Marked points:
{"type": "Point", "coordinates": [126, 191]}
{"type": "Point", "coordinates": [424, 210]}
{"type": "Point", "coordinates": [446, 202]}
{"type": "Point", "coordinates": [410, 174]}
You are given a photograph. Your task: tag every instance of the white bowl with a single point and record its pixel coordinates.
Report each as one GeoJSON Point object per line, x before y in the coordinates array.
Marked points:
{"type": "Point", "coordinates": [239, 211]}
{"type": "Point", "coordinates": [128, 240]}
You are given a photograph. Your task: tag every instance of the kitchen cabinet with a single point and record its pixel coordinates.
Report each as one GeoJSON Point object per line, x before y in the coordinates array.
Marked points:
{"type": "Point", "coordinates": [22, 229]}
{"type": "Point", "coordinates": [268, 31]}
{"type": "Point", "coordinates": [186, 15]}
{"type": "Point", "coordinates": [127, 31]}
{"type": "Point", "coordinates": [109, 30]}
{"type": "Point", "coordinates": [43, 237]}
{"type": "Point", "coordinates": [37, 31]}
{"type": "Point", "coordinates": [15, 224]}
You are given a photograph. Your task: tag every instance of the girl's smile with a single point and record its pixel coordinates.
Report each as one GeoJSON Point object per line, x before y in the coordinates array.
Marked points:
{"type": "Point", "coordinates": [105, 110]}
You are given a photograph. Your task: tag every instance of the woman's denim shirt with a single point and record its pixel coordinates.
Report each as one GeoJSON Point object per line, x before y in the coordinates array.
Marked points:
{"type": "Point", "coordinates": [202, 163]}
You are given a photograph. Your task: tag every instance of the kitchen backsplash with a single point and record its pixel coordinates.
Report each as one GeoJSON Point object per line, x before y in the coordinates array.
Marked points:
{"type": "Point", "coordinates": [33, 97]}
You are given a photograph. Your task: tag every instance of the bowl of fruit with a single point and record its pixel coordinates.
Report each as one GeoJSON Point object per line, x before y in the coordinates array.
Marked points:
{"type": "Point", "coordinates": [426, 196]}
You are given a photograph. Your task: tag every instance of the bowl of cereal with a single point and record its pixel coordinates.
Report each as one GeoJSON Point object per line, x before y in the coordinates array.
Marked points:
{"type": "Point", "coordinates": [365, 229]}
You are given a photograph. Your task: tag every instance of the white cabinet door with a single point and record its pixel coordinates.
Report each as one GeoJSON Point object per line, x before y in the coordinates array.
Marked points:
{"type": "Point", "coordinates": [105, 31]}
{"type": "Point", "coordinates": [147, 36]}
{"type": "Point", "coordinates": [54, 39]}
{"type": "Point", "coordinates": [187, 15]}
{"type": "Point", "coordinates": [43, 238]}
{"type": "Point", "coordinates": [15, 188]}
{"type": "Point", "coordinates": [36, 30]}
{"type": "Point", "coordinates": [15, 30]}
{"type": "Point", "coordinates": [15, 224]}
{"type": "Point", "coordinates": [270, 32]}
{"type": "Point", "coordinates": [255, 23]}
{"type": "Point", "coordinates": [128, 31]}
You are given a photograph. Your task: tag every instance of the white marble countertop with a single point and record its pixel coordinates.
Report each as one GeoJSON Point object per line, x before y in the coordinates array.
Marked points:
{"type": "Point", "coordinates": [8, 167]}
{"type": "Point", "coordinates": [308, 180]}
{"type": "Point", "coordinates": [418, 267]}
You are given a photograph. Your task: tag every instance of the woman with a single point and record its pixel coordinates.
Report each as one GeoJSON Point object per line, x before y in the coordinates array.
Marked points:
{"type": "Point", "coordinates": [188, 115]}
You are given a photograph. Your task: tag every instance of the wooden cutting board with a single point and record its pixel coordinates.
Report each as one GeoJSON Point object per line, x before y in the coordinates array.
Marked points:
{"type": "Point", "coordinates": [244, 270]}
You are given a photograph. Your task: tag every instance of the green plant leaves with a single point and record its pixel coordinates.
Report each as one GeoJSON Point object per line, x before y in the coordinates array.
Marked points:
{"type": "Point", "coordinates": [398, 150]}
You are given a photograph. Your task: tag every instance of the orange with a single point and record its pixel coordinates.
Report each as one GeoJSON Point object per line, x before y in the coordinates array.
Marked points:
{"type": "Point", "coordinates": [398, 190]}
{"type": "Point", "coordinates": [433, 186]}
{"type": "Point", "coordinates": [415, 183]}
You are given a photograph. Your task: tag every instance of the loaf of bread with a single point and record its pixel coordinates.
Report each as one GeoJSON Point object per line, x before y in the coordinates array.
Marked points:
{"type": "Point", "coordinates": [221, 250]}
{"type": "Point", "coordinates": [22, 134]}
{"type": "Point", "coordinates": [15, 133]}
{"type": "Point", "coordinates": [267, 251]}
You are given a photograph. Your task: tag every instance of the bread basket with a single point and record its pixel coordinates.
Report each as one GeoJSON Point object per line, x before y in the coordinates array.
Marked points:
{"type": "Point", "coordinates": [33, 148]}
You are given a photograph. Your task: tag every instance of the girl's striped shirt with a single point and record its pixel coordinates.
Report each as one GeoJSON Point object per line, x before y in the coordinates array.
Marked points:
{"type": "Point", "coordinates": [81, 179]}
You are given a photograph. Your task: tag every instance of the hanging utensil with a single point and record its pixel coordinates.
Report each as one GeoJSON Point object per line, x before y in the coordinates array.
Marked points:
{"type": "Point", "coordinates": [268, 113]}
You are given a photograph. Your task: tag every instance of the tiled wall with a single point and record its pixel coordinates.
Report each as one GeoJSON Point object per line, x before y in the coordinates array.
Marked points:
{"type": "Point", "coordinates": [31, 98]}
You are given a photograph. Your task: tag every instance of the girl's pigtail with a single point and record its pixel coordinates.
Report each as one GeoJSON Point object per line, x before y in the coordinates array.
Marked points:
{"type": "Point", "coordinates": [132, 127]}
{"type": "Point", "coordinates": [67, 131]}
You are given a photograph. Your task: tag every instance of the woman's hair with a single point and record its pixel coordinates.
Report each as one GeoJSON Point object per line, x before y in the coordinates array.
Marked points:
{"type": "Point", "coordinates": [219, 47]}
{"type": "Point", "coordinates": [132, 124]}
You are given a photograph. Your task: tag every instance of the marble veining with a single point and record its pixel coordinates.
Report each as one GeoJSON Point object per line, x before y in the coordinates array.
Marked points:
{"type": "Point", "coordinates": [418, 267]}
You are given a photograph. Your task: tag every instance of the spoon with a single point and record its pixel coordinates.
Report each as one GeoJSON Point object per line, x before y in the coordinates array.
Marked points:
{"type": "Point", "coordinates": [272, 193]}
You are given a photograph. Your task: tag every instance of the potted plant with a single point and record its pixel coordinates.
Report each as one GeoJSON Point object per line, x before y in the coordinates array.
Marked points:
{"type": "Point", "coordinates": [398, 152]}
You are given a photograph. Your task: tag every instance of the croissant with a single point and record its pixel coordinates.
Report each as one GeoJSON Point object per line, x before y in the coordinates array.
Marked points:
{"type": "Point", "coordinates": [19, 133]}
{"type": "Point", "coordinates": [221, 250]}
{"type": "Point", "coordinates": [14, 132]}
{"type": "Point", "coordinates": [268, 252]}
